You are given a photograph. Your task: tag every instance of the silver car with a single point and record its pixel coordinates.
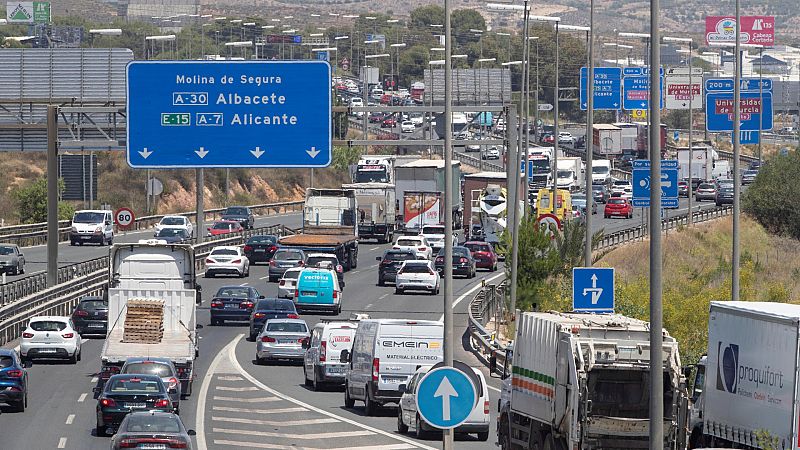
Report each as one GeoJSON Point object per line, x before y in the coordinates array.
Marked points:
{"type": "Point", "coordinates": [282, 339]}
{"type": "Point", "coordinates": [152, 429]}
{"type": "Point", "coordinates": [12, 261]}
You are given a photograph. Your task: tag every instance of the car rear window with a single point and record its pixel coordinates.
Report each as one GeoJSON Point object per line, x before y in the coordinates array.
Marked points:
{"type": "Point", "coordinates": [408, 242]}
{"type": "Point", "coordinates": [48, 325]}
{"type": "Point", "coordinates": [287, 256]}
{"type": "Point", "coordinates": [617, 201]}
{"type": "Point", "coordinates": [235, 292]}
{"type": "Point", "coordinates": [706, 186]}
{"type": "Point", "coordinates": [172, 221]}
{"type": "Point", "coordinates": [131, 385]}
{"type": "Point", "coordinates": [93, 304]}
{"type": "Point", "coordinates": [314, 260]}
{"type": "Point", "coordinates": [146, 423]}
{"type": "Point", "coordinates": [275, 305]}
{"type": "Point", "coordinates": [432, 230]}
{"type": "Point", "coordinates": [399, 256]}
{"type": "Point", "coordinates": [262, 240]}
{"type": "Point", "coordinates": [149, 368]}
{"type": "Point", "coordinates": [291, 274]}
{"type": "Point", "coordinates": [224, 252]}
{"type": "Point", "coordinates": [6, 362]}
{"type": "Point", "coordinates": [287, 327]}
{"type": "Point", "coordinates": [477, 247]}
{"type": "Point", "coordinates": [236, 211]}
{"type": "Point", "coordinates": [416, 268]}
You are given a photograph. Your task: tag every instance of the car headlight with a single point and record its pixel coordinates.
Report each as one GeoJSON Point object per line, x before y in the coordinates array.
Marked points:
{"type": "Point", "coordinates": [98, 230]}
{"type": "Point", "coordinates": [74, 229]}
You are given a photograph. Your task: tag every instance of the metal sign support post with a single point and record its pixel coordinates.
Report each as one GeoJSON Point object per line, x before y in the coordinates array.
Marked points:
{"type": "Point", "coordinates": [656, 289]}
{"type": "Point", "coordinates": [691, 128]}
{"type": "Point", "coordinates": [737, 187]}
{"type": "Point", "coordinates": [52, 195]}
{"type": "Point", "coordinates": [588, 142]}
{"type": "Point", "coordinates": [449, 344]}
{"type": "Point", "coordinates": [201, 214]}
{"type": "Point", "coordinates": [515, 194]}
{"type": "Point", "coordinates": [556, 101]}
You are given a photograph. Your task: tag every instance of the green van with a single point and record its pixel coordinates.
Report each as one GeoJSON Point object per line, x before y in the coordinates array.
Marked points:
{"type": "Point", "coordinates": [318, 289]}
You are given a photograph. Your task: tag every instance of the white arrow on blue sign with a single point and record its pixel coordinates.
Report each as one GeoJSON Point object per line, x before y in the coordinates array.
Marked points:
{"type": "Point", "coordinates": [445, 397]}
{"type": "Point", "coordinates": [593, 289]}
{"type": "Point", "coordinates": [192, 114]}
{"type": "Point", "coordinates": [607, 88]}
{"type": "Point", "coordinates": [641, 183]}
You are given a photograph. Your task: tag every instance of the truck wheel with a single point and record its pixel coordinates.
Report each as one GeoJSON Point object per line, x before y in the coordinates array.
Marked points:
{"type": "Point", "coordinates": [381, 282]}
{"type": "Point", "coordinates": [354, 260]}
{"type": "Point", "coordinates": [306, 381]}
{"type": "Point", "coordinates": [100, 431]}
{"type": "Point", "coordinates": [550, 443]}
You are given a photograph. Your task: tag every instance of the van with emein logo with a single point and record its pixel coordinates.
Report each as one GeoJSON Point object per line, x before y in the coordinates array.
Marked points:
{"type": "Point", "coordinates": [385, 354]}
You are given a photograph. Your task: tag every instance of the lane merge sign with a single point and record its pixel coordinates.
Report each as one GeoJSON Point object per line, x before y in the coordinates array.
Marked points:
{"type": "Point", "coordinates": [194, 114]}
{"type": "Point", "coordinates": [593, 289]}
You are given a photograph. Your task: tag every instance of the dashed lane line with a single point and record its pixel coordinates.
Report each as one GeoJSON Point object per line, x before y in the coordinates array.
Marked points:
{"type": "Point", "coordinates": [70, 419]}
{"type": "Point", "coordinates": [247, 400]}
{"type": "Point", "coordinates": [293, 447]}
{"type": "Point", "coordinates": [230, 378]}
{"type": "Point", "coordinates": [62, 443]}
{"type": "Point", "coordinates": [258, 411]}
{"type": "Point", "coordinates": [237, 389]}
{"type": "Point", "coordinates": [82, 397]}
{"type": "Point", "coordinates": [330, 435]}
{"type": "Point", "coordinates": [273, 423]}
{"type": "Point", "coordinates": [231, 350]}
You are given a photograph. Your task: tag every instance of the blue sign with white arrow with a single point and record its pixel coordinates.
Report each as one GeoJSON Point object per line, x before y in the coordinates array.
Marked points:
{"type": "Point", "coordinates": [636, 88]}
{"type": "Point", "coordinates": [593, 289]}
{"type": "Point", "coordinates": [193, 114]}
{"type": "Point", "coordinates": [607, 88]}
{"type": "Point", "coordinates": [445, 397]}
{"type": "Point", "coordinates": [755, 105]}
{"type": "Point", "coordinates": [748, 137]}
{"type": "Point", "coordinates": [669, 183]}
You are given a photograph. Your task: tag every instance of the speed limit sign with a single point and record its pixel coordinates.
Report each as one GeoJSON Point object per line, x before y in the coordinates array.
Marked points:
{"type": "Point", "coordinates": [124, 217]}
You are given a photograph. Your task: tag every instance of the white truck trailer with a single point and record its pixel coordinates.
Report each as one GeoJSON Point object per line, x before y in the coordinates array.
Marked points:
{"type": "Point", "coordinates": [606, 140]}
{"type": "Point", "coordinates": [570, 173]}
{"type": "Point", "coordinates": [153, 270]}
{"type": "Point", "coordinates": [746, 390]}
{"type": "Point", "coordinates": [377, 210]}
{"type": "Point", "coordinates": [581, 382]}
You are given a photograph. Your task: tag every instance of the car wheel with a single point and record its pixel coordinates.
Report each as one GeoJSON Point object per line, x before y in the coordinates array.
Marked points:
{"type": "Point", "coordinates": [209, 274]}
{"type": "Point", "coordinates": [21, 269]}
{"type": "Point", "coordinates": [100, 430]}
{"type": "Point", "coordinates": [79, 353]}
{"type": "Point", "coordinates": [14, 271]}
{"type": "Point", "coordinates": [398, 291]}
{"type": "Point", "coordinates": [306, 381]}
{"type": "Point", "coordinates": [339, 309]}
{"type": "Point", "coordinates": [273, 279]}
{"type": "Point", "coordinates": [22, 404]}
{"type": "Point", "coordinates": [253, 337]}
{"type": "Point", "coordinates": [349, 402]}
{"type": "Point", "coordinates": [370, 407]}
{"type": "Point", "coordinates": [315, 385]}
{"type": "Point", "coordinates": [419, 433]}
{"type": "Point", "coordinates": [74, 358]}
{"type": "Point", "coordinates": [381, 282]}
{"type": "Point", "coordinates": [402, 428]}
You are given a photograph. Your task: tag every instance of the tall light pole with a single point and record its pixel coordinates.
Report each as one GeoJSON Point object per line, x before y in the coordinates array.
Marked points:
{"type": "Point", "coordinates": [365, 83]}
{"type": "Point", "coordinates": [397, 46]}
{"type": "Point", "coordinates": [737, 187]}
{"type": "Point", "coordinates": [691, 119]}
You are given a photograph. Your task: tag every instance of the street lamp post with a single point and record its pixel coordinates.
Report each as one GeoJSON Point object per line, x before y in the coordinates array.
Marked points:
{"type": "Point", "coordinates": [398, 46]}
{"type": "Point", "coordinates": [691, 120]}
{"type": "Point", "coordinates": [365, 83]}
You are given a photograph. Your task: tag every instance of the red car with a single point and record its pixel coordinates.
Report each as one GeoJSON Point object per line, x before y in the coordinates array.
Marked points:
{"type": "Point", "coordinates": [389, 122]}
{"type": "Point", "coordinates": [224, 227]}
{"type": "Point", "coordinates": [483, 254]}
{"type": "Point", "coordinates": [618, 206]}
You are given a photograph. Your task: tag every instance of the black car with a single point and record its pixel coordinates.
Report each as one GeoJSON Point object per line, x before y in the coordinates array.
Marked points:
{"type": "Point", "coordinates": [91, 316]}
{"type": "Point", "coordinates": [463, 262]}
{"type": "Point", "coordinates": [600, 193]}
{"type": "Point", "coordinates": [241, 214]}
{"type": "Point", "coordinates": [390, 262]}
{"type": "Point", "coordinates": [270, 308]}
{"type": "Point", "coordinates": [127, 393]}
{"type": "Point", "coordinates": [749, 176]}
{"type": "Point", "coordinates": [152, 430]}
{"type": "Point", "coordinates": [580, 142]}
{"type": "Point", "coordinates": [327, 259]}
{"type": "Point", "coordinates": [260, 248]}
{"type": "Point", "coordinates": [233, 303]}
{"type": "Point", "coordinates": [724, 195]}
{"type": "Point", "coordinates": [174, 235]}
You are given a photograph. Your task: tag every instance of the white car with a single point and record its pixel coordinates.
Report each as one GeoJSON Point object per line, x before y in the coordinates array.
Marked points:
{"type": "Point", "coordinates": [627, 194]}
{"type": "Point", "coordinates": [175, 222]}
{"type": "Point", "coordinates": [434, 234]}
{"type": "Point", "coordinates": [417, 275]}
{"type": "Point", "coordinates": [565, 138]}
{"type": "Point", "coordinates": [491, 153]}
{"type": "Point", "coordinates": [620, 186]}
{"type": "Point", "coordinates": [417, 119]}
{"type": "Point", "coordinates": [417, 244]}
{"type": "Point", "coordinates": [228, 260]}
{"type": "Point", "coordinates": [478, 421]}
{"type": "Point", "coordinates": [407, 126]}
{"type": "Point", "coordinates": [288, 282]}
{"type": "Point", "coordinates": [50, 337]}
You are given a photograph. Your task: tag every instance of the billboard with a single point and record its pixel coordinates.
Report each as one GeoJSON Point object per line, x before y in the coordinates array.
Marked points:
{"type": "Point", "coordinates": [284, 39]}
{"type": "Point", "coordinates": [754, 30]}
{"type": "Point", "coordinates": [28, 12]}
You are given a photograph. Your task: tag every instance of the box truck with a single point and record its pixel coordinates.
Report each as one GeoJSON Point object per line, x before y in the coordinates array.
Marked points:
{"type": "Point", "coordinates": [747, 384]}
{"type": "Point", "coordinates": [570, 173]}
{"type": "Point", "coordinates": [606, 140]}
{"type": "Point", "coordinates": [702, 162]}
{"type": "Point", "coordinates": [377, 210]}
{"type": "Point", "coordinates": [426, 175]}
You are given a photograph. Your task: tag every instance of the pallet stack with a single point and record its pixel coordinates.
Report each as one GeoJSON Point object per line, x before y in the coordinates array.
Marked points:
{"type": "Point", "coordinates": [144, 321]}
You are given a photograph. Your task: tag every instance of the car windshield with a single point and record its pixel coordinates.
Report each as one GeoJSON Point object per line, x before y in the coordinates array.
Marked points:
{"type": "Point", "coordinates": [416, 268]}
{"type": "Point", "coordinates": [147, 423]}
{"type": "Point", "coordinates": [432, 230]}
{"type": "Point", "coordinates": [597, 187]}
{"type": "Point", "coordinates": [261, 240]}
{"type": "Point", "coordinates": [287, 256]}
{"type": "Point", "coordinates": [287, 327]}
{"type": "Point", "coordinates": [408, 242]}
{"type": "Point", "coordinates": [599, 169]}
{"type": "Point", "coordinates": [617, 201]}
{"type": "Point", "coordinates": [88, 217]}
{"type": "Point", "coordinates": [275, 305]}
{"type": "Point", "coordinates": [222, 226]}
{"type": "Point", "coordinates": [235, 292]}
{"type": "Point", "coordinates": [93, 304]}
{"type": "Point", "coordinates": [169, 232]}
{"type": "Point", "coordinates": [6, 361]}
{"type": "Point", "coordinates": [392, 256]}
{"type": "Point", "coordinates": [138, 385]}
{"type": "Point", "coordinates": [48, 325]}
{"type": "Point", "coordinates": [314, 260]}
{"type": "Point", "coordinates": [236, 211]}
{"type": "Point", "coordinates": [477, 247]}
{"type": "Point", "coordinates": [149, 368]}
{"type": "Point", "coordinates": [564, 174]}
{"type": "Point", "coordinates": [224, 252]}
{"type": "Point", "coordinates": [6, 250]}
{"type": "Point", "coordinates": [172, 221]}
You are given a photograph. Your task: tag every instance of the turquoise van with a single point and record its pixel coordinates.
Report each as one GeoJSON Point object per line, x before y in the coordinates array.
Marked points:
{"type": "Point", "coordinates": [318, 289]}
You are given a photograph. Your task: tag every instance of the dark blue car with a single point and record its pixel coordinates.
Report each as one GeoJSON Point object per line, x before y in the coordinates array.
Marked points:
{"type": "Point", "coordinates": [270, 308]}
{"type": "Point", "coordinates": [13, 380]}
{"type": "Point", "coordinates": [233, 303]}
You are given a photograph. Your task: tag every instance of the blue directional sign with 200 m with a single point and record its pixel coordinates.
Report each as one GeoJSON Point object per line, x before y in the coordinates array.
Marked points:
{"type": "Point", "coordinates": [192, 114]}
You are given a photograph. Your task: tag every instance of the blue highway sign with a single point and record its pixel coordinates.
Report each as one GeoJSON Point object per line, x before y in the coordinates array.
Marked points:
{"type": "Point", "coordinates": [719, 111]}
{"type": "Point", "coordinates": [748, 137]}
{"type": "Point", "coordinates": [669, 183]}
{"type": "Point", "coordinates": [192, 114]}
{"type": "Point", "coordinates": [745, 84]}
{"type": "Point", "coordinates": [593, 289]}
{"type": "Point", "coordinates": [445, 397]}
{"type": "Point", "coordinates": [607, 88]}
{"type": "Point", "coordinates": [636, 88]}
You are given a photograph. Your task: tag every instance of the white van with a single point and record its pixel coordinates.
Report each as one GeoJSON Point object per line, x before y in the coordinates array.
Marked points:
{"type": "Point", "coordinates": [357, 102]}
{"type": "Point", "coordinates": [385, 354]}
{"type": "Point", "coordinates": [92, 226]}
{"type": "Point", "coordinates": [322, 363]}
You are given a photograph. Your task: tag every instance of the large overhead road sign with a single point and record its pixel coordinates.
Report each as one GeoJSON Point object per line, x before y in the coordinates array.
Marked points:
{"type": "Point", "coordinates": [669, 183]}
{"type": "Point", "coordinates": [636, 88]}
{"type": "Point", "coordinates": [607, 88]}
{"type": "Point", "coordinates": [194, 114]}
{"type": "Point", "coordinates": [681, 87]}
{"type": "Point", "coordinates": [755, 105]}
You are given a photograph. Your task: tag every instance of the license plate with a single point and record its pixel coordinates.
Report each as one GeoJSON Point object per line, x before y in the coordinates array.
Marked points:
{"type": "Point", "coordinates": [234, 306]}
{"type": "Point", "coordinates": [153, 446]}
{"type": "Point", "coordinates": [136, 405]}
{"type": "Point", "coordinates": [95, 325]}
{"type": "Point", "coordinates": [47, 350]}
{"type": "Point", "coordinates": [393, 380]}
{"type": "Point", "coordinates": [334, 369]}
{"type": "Point", "coordinates": [260, 250]}
{"type": "Point", "coordinates": [308, 293]}
{"type": "Point", "coordinates": [286, 341]}
{"type": "Point", "coordinates": [86, 237]}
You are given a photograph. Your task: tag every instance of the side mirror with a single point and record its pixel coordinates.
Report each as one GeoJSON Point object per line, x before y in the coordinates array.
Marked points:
{"type": "Point", "coordinates": [402, 388]}
{"type": "Point", "coordinates": [172, 391]}
{"type": "Point", "coordinates": [108, 222]}
{"type": "Point", "coordinates": [261, 297]}
{"type": "Point", "coordinates": [21, 254]}
{"type": "Point", "coordinates": [378, 258]}
{"type": "Point", "coordinates": [306, 343]}
{"type": "Point", "coordinates": [198, 327]}
{"type": "Point", "coordinates": [345, 356]}
{"type": "Point", "coordinates": [191, 432]}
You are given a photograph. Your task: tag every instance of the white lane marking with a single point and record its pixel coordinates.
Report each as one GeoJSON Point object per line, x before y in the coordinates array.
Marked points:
{"type": "Point", "coordinates": [258, 411]}
{"type": "Point", "coordinates": [334, 434]}
{"type": "Point", "coordinates": [244, 284]}
{"type": "Point", "coordinates": [236, 389]}
{"type": "Point", "coordinates": [473, 289]}
{"type": "Point", "coordinates": [264, 278]}
{"type": "Point", "coordinates": [383, 296]}
{"type": "Point", "coordinates": [94, 380]}
{"type": "Point", "coordinates": [274, 423]}
{"type": "Point", "coordinates": [230, 378]}
{"type": "Point", "coordinates": [246, 400]}
{"type": "Point", "coordinates": [238, 367]}
{"type": "Point", "coordinates": [493, 388]}
{"type": "Point", "coordinates": [70, 419]}
{"type": "Point", "coordinates": [292, 447]}
{"type": "Point", "coordinates": [82, 397]}
{"type": "Point", "coordinates": [62, 443]}
{"type": "Point", "coordinates": [368, 306]}
{"type": "Point", "coordinates": [200, 411]}
{"type": "Point", "coordinates": [373, 249]}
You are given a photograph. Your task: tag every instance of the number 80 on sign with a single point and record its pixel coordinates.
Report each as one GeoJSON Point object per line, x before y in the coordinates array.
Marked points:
{"type": "Point", "coordinates": [124, 217]}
